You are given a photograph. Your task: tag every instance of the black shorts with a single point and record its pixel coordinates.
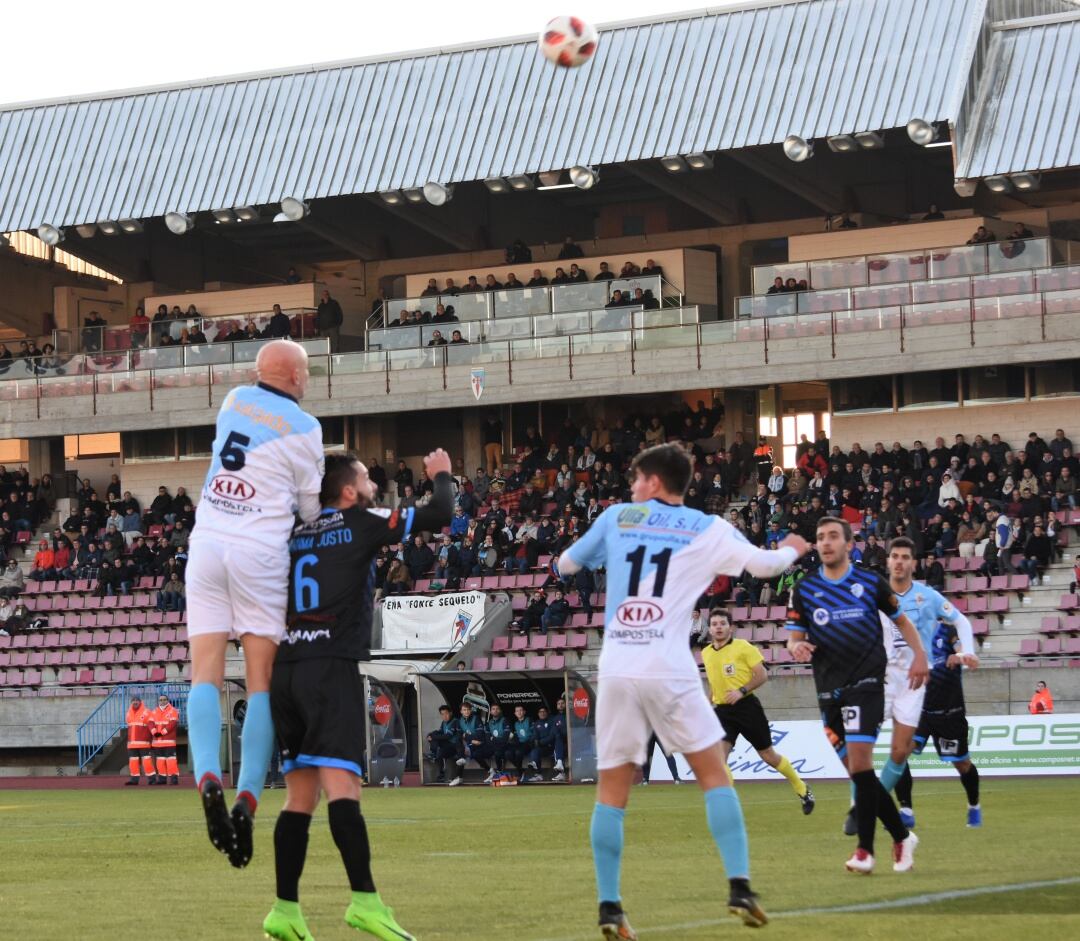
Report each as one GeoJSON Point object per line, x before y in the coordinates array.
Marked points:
{"type": "Point", "coordinates": [746, 718]}
{"type": "Point", "coordinates": [949, 731]}
{"type": "Point", "coordinates": [319, 713]}
{"type": "Point", "coordinates": [853, 713]}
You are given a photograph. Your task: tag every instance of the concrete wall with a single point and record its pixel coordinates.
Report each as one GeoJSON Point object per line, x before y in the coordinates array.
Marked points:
{"type": "Point", "coordinates": [44, 722]}
{"type": "Point", "coordinates": [1012, 420]}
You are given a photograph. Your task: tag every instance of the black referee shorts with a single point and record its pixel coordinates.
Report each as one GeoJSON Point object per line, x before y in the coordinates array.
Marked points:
{"type": "Point", "coordinates": [745, 718]}
{"type": "Point", "coordinates": [319, 713]}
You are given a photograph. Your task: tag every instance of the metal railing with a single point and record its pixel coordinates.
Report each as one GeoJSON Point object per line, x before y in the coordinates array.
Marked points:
{"type": "Point", "coordinates": [523, 302]}
{"type": "Point", "coordinates": [915, 265]}
{"type": "Point", "coordinates": [909, 292]}
{"type": "Point", "coordinates": [108, 719]}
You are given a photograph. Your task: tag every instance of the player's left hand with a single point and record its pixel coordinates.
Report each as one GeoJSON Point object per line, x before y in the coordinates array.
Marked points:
{"type": "Point", "coordinates": [919, 672]}
{"type": "Point", "coordinates": [732, 696]}
{"type": "Point", "coordinates": [968, 660]}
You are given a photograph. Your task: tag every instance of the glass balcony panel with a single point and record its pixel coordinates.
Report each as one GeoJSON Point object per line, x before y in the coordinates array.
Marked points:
{"type": "Point", "coordinates": [765, 275]}
{"type": "Point", "coordinates": [539, 347]}
{"type": "Point", "coordinates": [880, 296]}
{"type": "Point", "coordinates": [1058, 279]}
{"type": "Point", "coordinates": [615, 318]}
{"type": "Point", "coordinates": [897, 266]}
{"type": "Point", "coordinates": [1008, 306]}
{"type": "Point", "coordinates": [663, 338]}
{"type": "Point", "coordinates": [579, 296]}
{"type": "Point", "coordinates": [522, 303]}
{"type": "Point", "coordinates": [961, 260]}
{"type": "Point", "coordinates": [817, 302]}
{"type": "Point", "coordinates": [494, 330]}
{"type": "Point", "coordinates": [1018, 255]}
{"type": "Point", "coordinates": [613, 341]}
{"type": "Point", "coordinates": [472, 353]}
{"type": "Point", "coordinates": [472, 306]}
{"type": "Point", "coordinates": [730, 331]}
{"type": "Point", "coordinates": [939, 313]}
{"type": "Point", "coordinates": [416, 358]}
{"type": "Point", "coordinates": [951, 289]}
{"type": "Point", "coordinates": [997, 285]}
{"type": "Point", "coordinates": [355, 363]}
{"type": "Point", "coordinates": [838, 273]}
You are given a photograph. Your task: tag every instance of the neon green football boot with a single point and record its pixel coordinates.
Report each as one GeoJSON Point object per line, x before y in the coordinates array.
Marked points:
{"type": "Point", "coordinates": [368, 913]}
{"type": "Point", "coordinates": [286, 923]}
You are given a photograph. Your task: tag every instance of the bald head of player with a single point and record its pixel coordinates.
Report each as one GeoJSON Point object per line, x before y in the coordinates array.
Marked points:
{"type": "Point", "coordinates": [283, 365]}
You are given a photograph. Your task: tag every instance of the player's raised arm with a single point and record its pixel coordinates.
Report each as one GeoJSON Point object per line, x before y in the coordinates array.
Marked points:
{"type": "Point", "coordinates": [735, 554]}
{"type": "Point", "coordinates": [588, 551]}
{"type": "Point", "coordinates": [437, 513]}
{"type": "Point", "coordinates": [968, 656]}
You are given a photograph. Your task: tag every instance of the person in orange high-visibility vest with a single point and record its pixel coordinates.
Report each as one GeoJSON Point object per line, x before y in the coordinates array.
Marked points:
{"type": "Point", "coordinates": [163, 722]}
{"type": "Point", "coordinates": [138, 729]}
{"type": "Point", "coordinates": [1042, 702]}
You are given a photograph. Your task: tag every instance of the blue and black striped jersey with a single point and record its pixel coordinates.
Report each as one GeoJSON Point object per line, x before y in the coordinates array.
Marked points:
{"type": "Point", "coordinates": [840, 618]}
{"type": "Point", "coordinates": [945, 690]}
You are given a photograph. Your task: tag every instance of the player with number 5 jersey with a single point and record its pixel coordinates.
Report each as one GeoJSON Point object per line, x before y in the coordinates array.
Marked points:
{"type": "Point", "coordinates": [660, 556]}
{"type": "Point", "coordinates": [267, 468]}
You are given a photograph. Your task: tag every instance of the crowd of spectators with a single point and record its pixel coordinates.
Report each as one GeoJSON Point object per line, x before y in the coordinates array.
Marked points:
{"type": "Point", "coordinates": [790, 286]}
{"type": "Point", "coordinates": [24, 503]}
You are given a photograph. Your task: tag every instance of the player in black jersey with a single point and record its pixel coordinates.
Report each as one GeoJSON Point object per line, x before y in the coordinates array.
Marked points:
{"type": "Point", "coordinates": [316, 691]}
{"type": "Point", "coordinates": [834, 623]}
{"type": "Point", "coordinates": [944, 717]}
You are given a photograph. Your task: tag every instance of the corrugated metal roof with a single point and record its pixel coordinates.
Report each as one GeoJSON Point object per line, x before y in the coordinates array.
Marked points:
{"type": "Point", "coordinates": [705, 81]}
{"type": "Point", "coordinates": [1028, 116]}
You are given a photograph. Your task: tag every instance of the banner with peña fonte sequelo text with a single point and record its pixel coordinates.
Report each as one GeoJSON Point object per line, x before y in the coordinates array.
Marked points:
{"type": "Point", "coordinates": [430, 623]}
{"type": "Point", "coordinates": [998, 745]}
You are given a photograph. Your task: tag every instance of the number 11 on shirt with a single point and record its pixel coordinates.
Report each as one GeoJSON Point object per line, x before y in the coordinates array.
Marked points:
{"type": "Point", "coordinates": [637, 559]}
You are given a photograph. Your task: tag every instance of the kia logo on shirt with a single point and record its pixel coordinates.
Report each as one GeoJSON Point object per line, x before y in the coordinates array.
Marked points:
{"type": "Point", "coordinates": [638, 613]}
{"type": "Point", "coordinates": [232, 488]}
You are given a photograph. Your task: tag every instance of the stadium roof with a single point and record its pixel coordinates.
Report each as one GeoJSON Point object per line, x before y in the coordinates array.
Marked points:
{"type": "Point", "coordinates": [1029, 115]}
{"type": "Point", "coordinates": [702, 81]}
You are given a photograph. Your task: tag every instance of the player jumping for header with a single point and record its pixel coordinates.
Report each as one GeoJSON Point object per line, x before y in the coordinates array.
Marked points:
{"type": "Point", "coordinates": [834, 622]}
{"type": "Point", "coordinates": [317, 693]}
{"type": "Point", "coordinates": [267, 467]}
{"type": "Point", "coordinates": [660, 556]}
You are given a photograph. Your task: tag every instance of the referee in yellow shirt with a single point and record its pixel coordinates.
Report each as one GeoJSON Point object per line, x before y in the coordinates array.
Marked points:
{"type": "Point", "coordinates": [735, 669]}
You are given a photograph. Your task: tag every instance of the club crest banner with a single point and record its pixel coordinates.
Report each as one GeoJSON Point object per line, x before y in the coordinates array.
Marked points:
{"type": "Point", "coordinates": [430, 623]}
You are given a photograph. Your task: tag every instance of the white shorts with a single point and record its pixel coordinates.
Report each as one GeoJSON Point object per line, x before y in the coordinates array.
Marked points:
{"type": "Point", "coordinates": [902, 704]}
{"type": "Point", "coordinates": [628, 711]}
{"type": "Point", "coordinates": [235, 590]}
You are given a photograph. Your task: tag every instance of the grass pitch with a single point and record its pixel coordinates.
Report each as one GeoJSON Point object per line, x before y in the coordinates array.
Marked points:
{"type": "Point", "coordinates": [496, 863]}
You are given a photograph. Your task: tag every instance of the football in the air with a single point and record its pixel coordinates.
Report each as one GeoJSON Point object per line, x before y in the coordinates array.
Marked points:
{"type": "Point", "coordinates": [568, 41]}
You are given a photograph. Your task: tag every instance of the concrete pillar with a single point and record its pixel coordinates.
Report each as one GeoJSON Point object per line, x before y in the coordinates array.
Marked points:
{"type": "Point", "coordinates": [472, 432]}
{"type": "Point", "coordinates": [46, 456]}
{"type": "Point", "coordinates": [731, 268]}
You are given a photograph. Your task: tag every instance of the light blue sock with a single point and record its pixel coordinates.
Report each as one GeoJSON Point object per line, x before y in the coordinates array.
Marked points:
{"type": "Point", "coordinates": [724, 813]}
{"type": "Point", "coordinates": [256, 745]}
{"type": "Point", "coordinates": [204, 729]}
{"type": "Point", "coordinates": [606, 834]}
{"type": "Point", "coordinates": [891, 773]}
{"type": "Point", "coordinates": [852, 783]}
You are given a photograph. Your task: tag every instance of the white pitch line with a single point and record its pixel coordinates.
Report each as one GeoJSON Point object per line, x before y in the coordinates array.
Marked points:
{"type": "Point", "coordinates": [905, 902]}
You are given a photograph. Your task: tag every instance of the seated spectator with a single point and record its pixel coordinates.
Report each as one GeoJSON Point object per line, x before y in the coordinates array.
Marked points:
{"type": "Point", "coordinates": [11, 580]}
{"type": "Point", "coordinates": [418, 557]}
{"type": "Point", "coordinates": [537, 280]}
{"type": "Point", "coordinates": [522, 741]}
{"type": "Point", "coordinates": [652, 269]}
{"type": "Point", "coordinates": [472, 286]}
{"type": "Point", "coordinates": [456, 337]}
{"type": "Point", "coordinates": [43, 562]}
{"type": "Point", "coordinates": [431, 290]}
{"type": "Point", "coordinates": [549, 744]}
{"type": "Point", "coordinates": [533, 614]}
{"type": "Point", "coordinates": [648, 300]}
{"type": "Point", "coordinates": [560, 278]}
{"type": "Point", "coordinates": [1064, 491]}
{"type": "Point", "coordinates": [7, 613]}
{"type": "Point", "coordinates": [440, 315]}
{"type": "Point", "coordinates": [161, 508]}
{"type": "Point", "coordinates": [93, 334]}
{"type": "Point", "coordinates": [292, 277]}
{"type": "Point", "coordinates": [556, 613]}
{"type": "Point", "coordinates": [982, 236]}
{"type": "Point", "coordinates": [629, 270]}
{"type": "Point", "coordinates": [934, 214]}
{"type": "Point", "coordinates": [1038, 554]}
{"type": "Point", "coordinates": [791, 286]}
{"type": "Point", "coordinates": [1021, 231]}
{"type": "Point", "coordinates": [437, 339]}
{"type": "Point", "coordinates": [404, 320]}
{"type": "Point", "coordinates": [179, 537]}
{"type": "Point", "coordinates": [616, 299]}
{"type": "Point", "coordinates": [62, 560]}
{"type": "Point", "coordinates": [446, 559]}
{"type": "Point", "coordinates": [398, 579]}
{"type": "Point", "coordinates": [605, 273]}
{"type": "Point", "coordinates": [512, 283]}
{"type": "Point", "coordinates": [451, 288]}
{"type": "Point", "coordinates": [577, 275]}
{"type": "Point", "coordinates": [173, 595]}
{"type": "Point", "coordinates": [518, 253]}
{"type": "Point", "coordinates": [491, 284]}
{"type": "Point", "coordinates": [777, 286]}
{"type": "Point", "coordinates": [570, 250]}
{"type": "Point", "coordinates": [115, 579]}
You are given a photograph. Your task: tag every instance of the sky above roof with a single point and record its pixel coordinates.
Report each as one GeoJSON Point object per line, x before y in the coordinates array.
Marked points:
{"type": "Point", "coordinates": [70, 47]}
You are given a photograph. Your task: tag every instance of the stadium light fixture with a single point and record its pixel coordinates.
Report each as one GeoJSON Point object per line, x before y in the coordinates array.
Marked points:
{"type": "Point", "coordinates": [699, 161]}
{"type": "Point", "coordinates": [108, 227]}
{"type": "Point", "coordinates": [281, 217]}
{"type": "Point", "coordinates": [842, 144]}
{"type": "Point", "coordinates": [223, 216]}
{"type": "Point", "coordinates": [294, 209]}
{"type": "Point", "coordinates": [50, 234]}
{"type": "Point", "coordinates": [674, 164]}
{"type": "Point", "coordinates": [392, 197]}
{"type": "Point", "coordinates": [584, 178]}
{"type": "Point", "coordinates": [87, 231]}
{"type": "Point", "coordinates": [131, 226]}
{"type": "Point", "coordinates": [438, 194]}
{"type": "Point", "coordinates": [550, 178]}
{"type": "Point", "coordinates": [921, 132]}
{"type": "Point", "coordinates": [496, 184]}
{"type": "Point", "coordinates": [5, 242]}
{"type": "Point", "coordinates": [870, 140]}
{"type": "Point", "coordinates": [521, 182]}
{"type": "Point", "coordinates": [246, 213]}
{"type": "Point", "coordinates": [179, 223]}
{"type": "Point", "coordinates": [797, 148]}
{"type": "Point", "coordinates": [965, 188]}
{"type": "Point", "coordinates": [998, 184]}
{"type": "Point", "coordinates": [414, 194]}
{"type": "Point", "coordinates": [1026, 182]}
